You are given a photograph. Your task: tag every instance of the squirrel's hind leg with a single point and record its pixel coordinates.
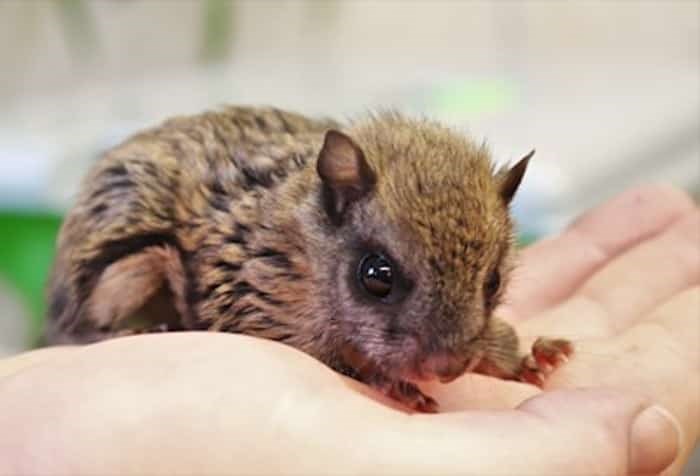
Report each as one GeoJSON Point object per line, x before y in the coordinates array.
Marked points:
{"type": "Point", "coordinates": [142, 292]}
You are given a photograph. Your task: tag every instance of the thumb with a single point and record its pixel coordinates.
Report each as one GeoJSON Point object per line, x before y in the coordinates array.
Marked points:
{"type": "Point", "coordinates": [572, 432]}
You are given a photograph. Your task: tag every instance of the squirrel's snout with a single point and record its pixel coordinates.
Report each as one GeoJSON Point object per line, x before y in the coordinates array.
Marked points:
{"type": "Point", "coordinates": [445, 366]}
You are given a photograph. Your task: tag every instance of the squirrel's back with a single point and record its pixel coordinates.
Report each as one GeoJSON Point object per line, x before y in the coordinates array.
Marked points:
{"type": "Point", "coordinates": [157, 191]}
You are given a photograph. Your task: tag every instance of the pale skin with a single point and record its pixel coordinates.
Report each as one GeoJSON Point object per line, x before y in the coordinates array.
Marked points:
{"type": "Point", "coordinates": [623, 282]}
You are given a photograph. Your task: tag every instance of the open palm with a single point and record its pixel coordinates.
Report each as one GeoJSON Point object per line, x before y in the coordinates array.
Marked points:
{"type": "Point", "coordinates": [622, 283]}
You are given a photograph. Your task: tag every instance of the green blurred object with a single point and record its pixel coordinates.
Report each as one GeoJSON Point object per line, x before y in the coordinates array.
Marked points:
{"type": "Point", "coordinates": [27, 245]}
{"type": "Point", "coordinates": [525, 239]}
{"type": "Point", "coordinates": [79, 26]}
{"type": "Point", "coordinates": [474, 97]}
{"type": "Point", "coordinates": [218, 29]}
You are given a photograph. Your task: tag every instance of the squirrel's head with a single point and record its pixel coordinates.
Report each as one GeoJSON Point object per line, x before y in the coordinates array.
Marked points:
{"type": "Point", "coordinates": [414, 243]}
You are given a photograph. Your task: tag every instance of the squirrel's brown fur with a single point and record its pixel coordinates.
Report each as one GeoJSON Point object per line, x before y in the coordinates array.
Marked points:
{"type": "Point", "coordinates": [217, 221]}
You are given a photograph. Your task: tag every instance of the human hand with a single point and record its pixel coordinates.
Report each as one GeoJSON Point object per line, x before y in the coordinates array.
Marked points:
{"type": "Point", "coordinates": [199, 403]}
{"type": "Point", "coordinates": [163, 404]}
{"type": "Point", "coordinates": [622, 283]}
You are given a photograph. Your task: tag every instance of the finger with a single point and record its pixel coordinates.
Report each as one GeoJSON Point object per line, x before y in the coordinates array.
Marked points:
{"type": "Point", "coordinates": [566, 432]}
{"type": "Point", "coordinates": [11, 365]}
{"type": "Point", "coordinates": [642, 278]}
{"type": "Point", "coordinates": [472, 391]}
{"type": "Point", "coordinates": [658, 358]}
{"type": "Point", "coordinates": [629, 287]}
{"type": "Point", "coordinates": [552, 269]}
{"type": "Point", "coordinates": [680, 318]}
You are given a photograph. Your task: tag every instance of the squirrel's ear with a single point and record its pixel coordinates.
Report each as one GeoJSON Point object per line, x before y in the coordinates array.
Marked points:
{"type": "Point", "coordinates": [345, 174]}
{"type": "Point", "coordinates": [509, 180]}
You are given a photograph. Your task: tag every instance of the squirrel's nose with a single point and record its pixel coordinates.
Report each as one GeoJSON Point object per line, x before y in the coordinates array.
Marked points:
{"type": "Point", "coordinates": [445, 366]}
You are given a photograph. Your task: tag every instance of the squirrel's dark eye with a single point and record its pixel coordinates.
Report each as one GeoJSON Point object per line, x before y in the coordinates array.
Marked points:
{"type": "Point", "coordinates": [492, 284]}
{"type": "Point", "coordinates": [375, 275]}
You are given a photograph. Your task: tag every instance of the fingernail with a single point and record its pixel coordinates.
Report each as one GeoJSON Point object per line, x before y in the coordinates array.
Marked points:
{"type": "Point", "coordinates": [654, 441]}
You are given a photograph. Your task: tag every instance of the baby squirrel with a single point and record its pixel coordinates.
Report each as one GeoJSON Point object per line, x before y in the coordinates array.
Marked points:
{"type": "Point", "coordinates": [381, 250]}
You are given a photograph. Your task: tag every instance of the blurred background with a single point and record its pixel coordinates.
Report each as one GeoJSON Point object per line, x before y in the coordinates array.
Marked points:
{"type": "Point", "coordinates": [608, 92]}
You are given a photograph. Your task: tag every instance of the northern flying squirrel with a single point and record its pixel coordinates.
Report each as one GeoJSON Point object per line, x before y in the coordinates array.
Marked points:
{"type": "Point", "coordinates": [381, 250]}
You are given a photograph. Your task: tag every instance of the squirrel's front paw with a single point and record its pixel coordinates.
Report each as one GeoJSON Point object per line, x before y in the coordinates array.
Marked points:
{"type": "Point", "coordinates": [545, 357]}
{"type": "Point", "coordinates": [410, 395]}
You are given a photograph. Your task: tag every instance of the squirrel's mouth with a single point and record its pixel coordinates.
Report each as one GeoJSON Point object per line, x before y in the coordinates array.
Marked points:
{"type": "Point", "coordinates": [414, 366]}
{"type": "Point", "coordinates": [444, 367]}
{"type": "Point", "coordinates": [445, 364]}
